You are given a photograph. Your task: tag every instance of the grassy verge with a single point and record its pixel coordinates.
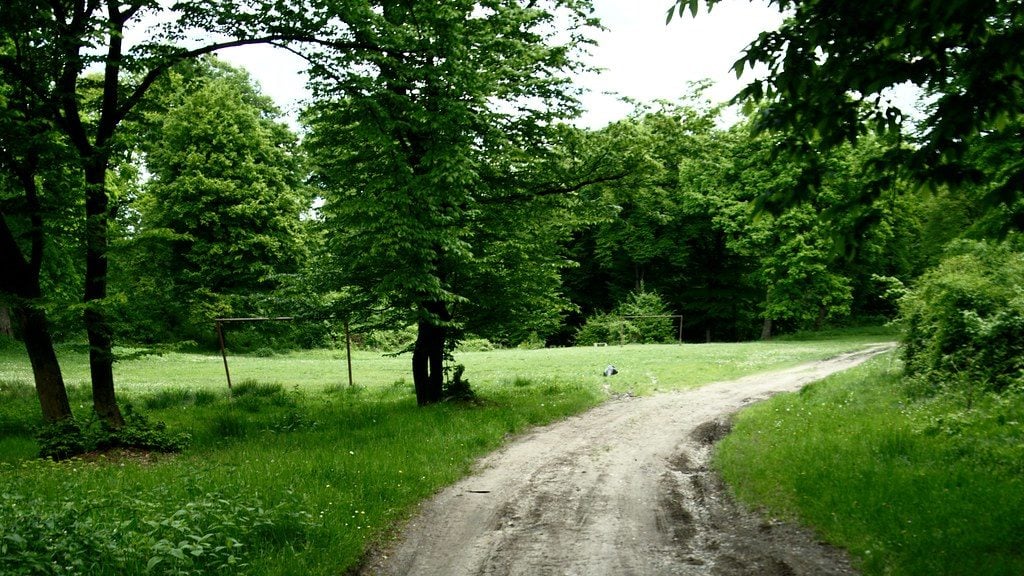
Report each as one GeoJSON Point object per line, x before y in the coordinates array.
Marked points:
{"type": "Point", "coordinates": [297, 473]}
{"type": "Point", "coordinates": [910, 487]}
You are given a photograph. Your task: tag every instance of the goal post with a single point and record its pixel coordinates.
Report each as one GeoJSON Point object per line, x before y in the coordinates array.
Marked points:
{"type": "Point", "coordinates": [220, 322]}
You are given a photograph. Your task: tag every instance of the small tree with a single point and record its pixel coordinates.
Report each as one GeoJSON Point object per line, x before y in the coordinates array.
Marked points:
{"type": "Point", "coordinates": [643, 318]}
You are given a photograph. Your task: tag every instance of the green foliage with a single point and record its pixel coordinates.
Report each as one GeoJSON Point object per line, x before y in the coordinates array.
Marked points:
{"type": "Point", "coordinates": [441, 160]}
{"type": "Point", "coordinates": [218, 224]}
{"type": "Point", "coordinates": [965, 319]}
{"type": "Point", "coordinates": [688, 224]}
{"type": "Point", "coordinates": [131, 534]}
{"type": "Point", "coordinates": [388, 340]}
{"type": "Point", "coordinates": [640, 319]}
{"type": "Point", "coordinates": [70, 437]}
{"type": "Point", "coordinates": [456, 387]}
{"type": "Point", "coordinates": [908, 486]}
{"type": "Point", "coordinates": [831, 70]}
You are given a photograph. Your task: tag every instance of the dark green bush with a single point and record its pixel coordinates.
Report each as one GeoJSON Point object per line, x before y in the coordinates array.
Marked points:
{"type": "Point", "coordinates": [71, 437]}
{"type": "Point", "coordinates": [148, 533]}
{"type": "Point", "coordinates": [641, 319]}
{"type": "Point", "coordinates": [964, 319]}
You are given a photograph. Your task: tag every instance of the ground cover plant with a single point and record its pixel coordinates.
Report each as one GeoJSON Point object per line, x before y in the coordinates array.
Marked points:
{"type": "Point", "coordinates": [297, 472]}
{"type": "Point", "coordinates": [910, 485]}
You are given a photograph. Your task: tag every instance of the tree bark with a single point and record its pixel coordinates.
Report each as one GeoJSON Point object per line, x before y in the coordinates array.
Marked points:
{"type": "Point", "coordinates": [21, 280]}
{"type": "Point", "coordinates": [6, 329]}
{"type": "Point", "coordinates": [766, 329]}
{"type": "Point", "coordinates": [53, 396]}
{"type": "Point", "coordinates": [428, 355]}
{"type": "Point", "coordinates": [820, 320]}
{"type": "Point", "coordinates": [97, 328]}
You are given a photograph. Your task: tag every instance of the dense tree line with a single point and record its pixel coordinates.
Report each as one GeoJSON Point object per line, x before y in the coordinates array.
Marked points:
{"type": "Point", "coordinates": [147, 189]}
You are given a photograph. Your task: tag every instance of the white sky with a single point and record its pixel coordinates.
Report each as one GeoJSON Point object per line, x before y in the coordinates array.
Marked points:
{"type": "Point", "coordinates": [642, 57]}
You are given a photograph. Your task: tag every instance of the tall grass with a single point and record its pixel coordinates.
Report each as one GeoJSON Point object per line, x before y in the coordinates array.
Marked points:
{"type": "Point", "coordinates": [294, 472]}
{"type": "Point", "coordinates": [910, 487]}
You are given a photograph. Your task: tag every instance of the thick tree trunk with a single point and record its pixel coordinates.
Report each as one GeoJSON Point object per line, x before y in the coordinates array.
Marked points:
{"type": "Point", "coordinates": [97, 328]}
{"type": "Point", "coordinates": [53, 396]}
{"type": "Point", "coordinates": [21, 281]}
{"type": "Point", "coordinates": [428, 356]}
{"type": "Point", "coordinates": [766, 329]}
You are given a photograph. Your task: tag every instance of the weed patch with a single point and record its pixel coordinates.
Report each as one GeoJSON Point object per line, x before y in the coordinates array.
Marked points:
{"type": "Point", "coordinates": [150, 533]}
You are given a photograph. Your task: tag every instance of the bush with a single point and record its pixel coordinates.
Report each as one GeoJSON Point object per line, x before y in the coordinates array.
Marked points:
{"type": "Point", "coordinates": [965, 319]}
{"type": "Point", "coordinates": [71, 437]}
{"type": "Point", "coordinates": [634, 321]}
{"type": "Point", "coordinates": [147, 533]}
{"type": "Point", "coordinates": [606, 328]}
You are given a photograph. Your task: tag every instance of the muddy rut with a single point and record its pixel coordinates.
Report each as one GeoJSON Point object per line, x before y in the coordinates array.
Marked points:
{"type": "Point", "coordinates": [623, 489]}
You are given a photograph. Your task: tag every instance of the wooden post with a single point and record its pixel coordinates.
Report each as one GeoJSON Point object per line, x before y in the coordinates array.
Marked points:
{"type": "Point", "coordinates": [348, 352]}
{"type": "Point", "coordinates": [223, 352]}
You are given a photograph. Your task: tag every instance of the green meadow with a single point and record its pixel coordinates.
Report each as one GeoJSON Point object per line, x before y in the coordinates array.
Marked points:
{"type": "Point", "coordinates": [296, 472]}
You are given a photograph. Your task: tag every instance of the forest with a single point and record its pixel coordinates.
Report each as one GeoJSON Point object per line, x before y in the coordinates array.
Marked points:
{"type": "Point", "coordinates": [436, 189]}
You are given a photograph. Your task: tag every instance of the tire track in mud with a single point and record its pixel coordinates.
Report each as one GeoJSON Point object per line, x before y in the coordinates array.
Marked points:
{"type": "Point", "coordinates": [623, 489]}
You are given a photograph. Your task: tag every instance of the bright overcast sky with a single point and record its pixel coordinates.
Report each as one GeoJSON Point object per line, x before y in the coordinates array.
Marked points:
{"type": "Point", "coordinates": [643, 58]}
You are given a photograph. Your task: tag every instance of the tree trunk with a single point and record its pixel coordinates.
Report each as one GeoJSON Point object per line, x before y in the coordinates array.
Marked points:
{"type": "Point", "coordinates": [6, 329]}
{"type": "Point", "coordinates": [820, 320]}
{"type": "Point", "coordinates": [97, 328]}
{"type": "Point", "coordinates": [428, 355]}
{"type": "Point", "coordinates": [20, 280]}
{"type": "Point", "coordinates": [53, 396]}
{"type": "Point", "coordinates": [766, 329]}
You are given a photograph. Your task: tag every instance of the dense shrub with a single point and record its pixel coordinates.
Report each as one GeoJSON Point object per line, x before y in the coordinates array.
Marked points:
{"type": "Point", "coordinates": [641, 319]}
{"type": "Point", "coordinates": [964, 319]}
{"type": "Point", "coordinates": [145, 533]}
{"type": "Point", "coordinates": [71, 437]}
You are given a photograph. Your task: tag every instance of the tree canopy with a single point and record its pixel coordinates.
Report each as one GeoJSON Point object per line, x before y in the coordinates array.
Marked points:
{"type": "Point", "coordinates": [831, 68]}
{"type": "Point", "coordinates": [428, 155]}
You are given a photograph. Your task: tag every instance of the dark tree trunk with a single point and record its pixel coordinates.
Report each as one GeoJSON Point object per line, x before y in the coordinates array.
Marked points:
{"type": "Point", "coordinates": [766, 329]}
{"type": "Point", "coordinates": [21, 280]}
{"type": "Point", "coordinates": [820, 320]}
{"type": "Point", "coordinates": [6, 329]}
{"type": "Point", "coordinates": [97, 328]}
{"type": "Point", "coordinates": [428, 355]}
{"type": "Point", "coordinates": [53, 396]}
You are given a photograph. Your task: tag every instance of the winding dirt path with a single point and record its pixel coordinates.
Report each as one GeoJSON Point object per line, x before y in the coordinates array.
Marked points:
{"type": "Point", "coordinates": [623, 489]}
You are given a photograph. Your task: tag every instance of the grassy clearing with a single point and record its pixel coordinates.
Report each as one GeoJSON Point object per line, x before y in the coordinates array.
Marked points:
{"type": "Point", "coordinates": [910, 487]}
{"type": "Point", "coordinates": [297, 473]}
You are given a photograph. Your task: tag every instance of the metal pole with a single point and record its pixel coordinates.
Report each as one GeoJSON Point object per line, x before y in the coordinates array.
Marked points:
{"type": "Point", "coordinates": [680, 329]}
{"type": "Point", "coordinates": [348, 352]}
{"type": "Point", "coordinates": [223, 352]}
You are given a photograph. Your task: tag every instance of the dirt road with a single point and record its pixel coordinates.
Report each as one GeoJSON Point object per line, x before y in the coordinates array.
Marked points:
{"type": "Point", "coordinates": [621, 490]}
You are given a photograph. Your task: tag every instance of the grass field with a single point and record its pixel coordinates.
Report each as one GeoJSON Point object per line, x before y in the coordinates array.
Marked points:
{"type": "Point", "coordinates": [912, 487]}
{"type": "Point", "coordinates": [296, 472]}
